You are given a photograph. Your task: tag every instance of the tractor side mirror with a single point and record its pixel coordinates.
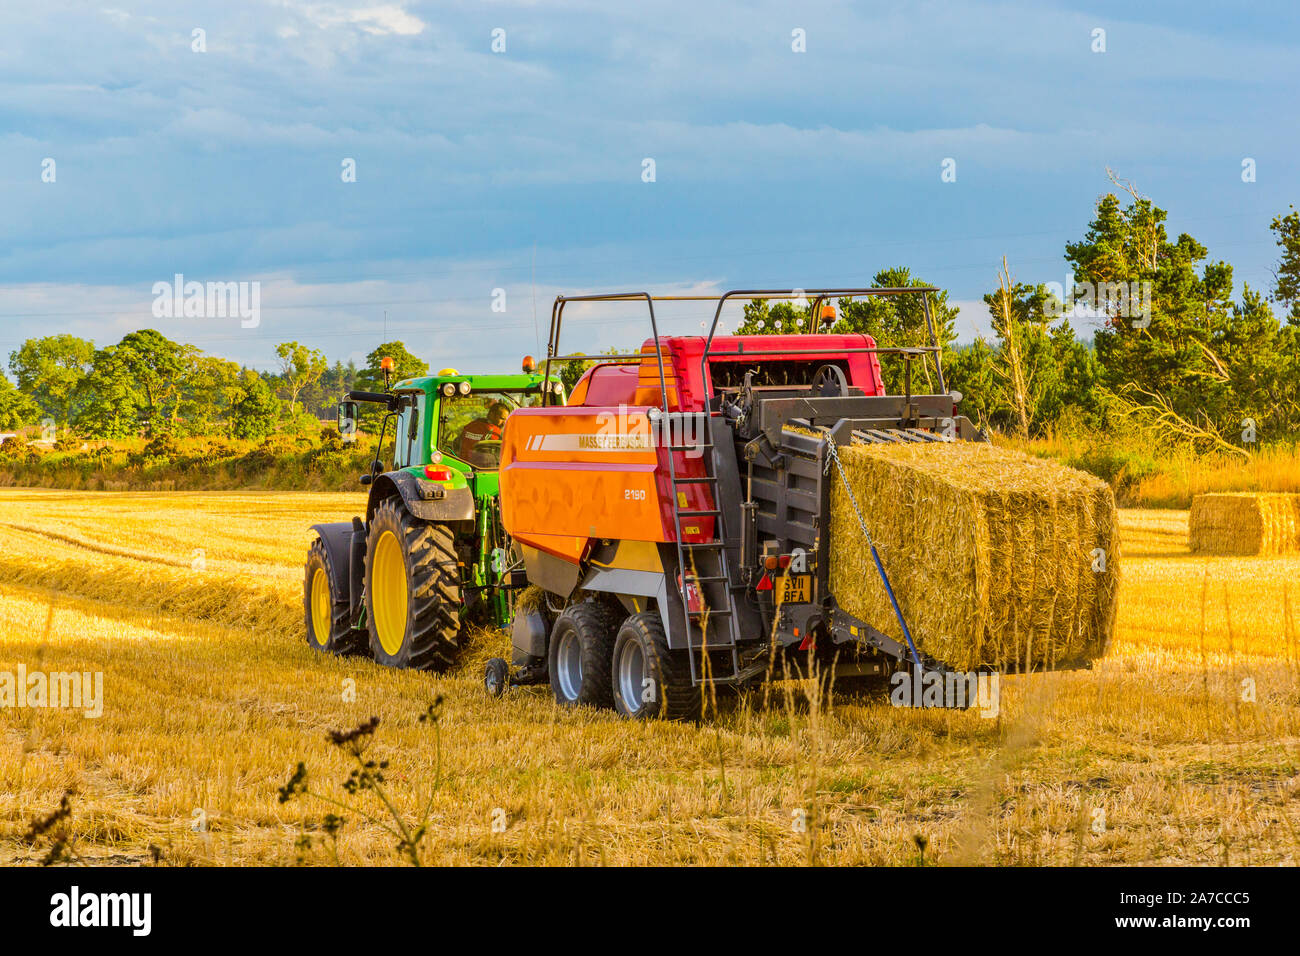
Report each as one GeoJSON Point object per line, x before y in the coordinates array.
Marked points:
{"type": "Point", "coordinates": [347, 418]}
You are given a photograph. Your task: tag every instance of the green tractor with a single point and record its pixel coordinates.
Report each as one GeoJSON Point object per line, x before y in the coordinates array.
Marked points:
{"type": "Point", "coordinates": [431, 554]}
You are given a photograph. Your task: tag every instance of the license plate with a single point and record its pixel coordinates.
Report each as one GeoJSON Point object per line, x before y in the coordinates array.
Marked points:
{"type": "Point", "coordinates": [797, 590]}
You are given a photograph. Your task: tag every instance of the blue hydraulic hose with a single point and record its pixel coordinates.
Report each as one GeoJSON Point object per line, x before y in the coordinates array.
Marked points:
{"type": "Point", "coordinates": [875, 555]}
{"type": "Point", "coordinates": [894, 601]}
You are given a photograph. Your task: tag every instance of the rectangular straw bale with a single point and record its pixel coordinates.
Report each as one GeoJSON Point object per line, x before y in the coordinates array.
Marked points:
{"type": "Point", "coordinates": [1245, 523]}
{"type": "Point", "coordinates": [991, 553]}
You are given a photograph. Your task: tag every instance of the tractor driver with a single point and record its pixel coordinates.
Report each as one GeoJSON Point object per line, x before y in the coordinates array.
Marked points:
{"type": "Point", "coordinates": [486, 432]}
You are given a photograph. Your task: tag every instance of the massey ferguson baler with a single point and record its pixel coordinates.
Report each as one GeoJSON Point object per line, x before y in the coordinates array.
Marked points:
{"type": "Point", "coordinates": [674, 513]}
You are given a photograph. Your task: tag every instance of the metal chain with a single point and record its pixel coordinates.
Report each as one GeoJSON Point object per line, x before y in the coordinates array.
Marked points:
{"type": "Point", "coordinates": [834, 456]}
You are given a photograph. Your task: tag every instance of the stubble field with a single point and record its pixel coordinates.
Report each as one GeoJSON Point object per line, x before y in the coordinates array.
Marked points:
{"type": "Point", "coordinates": [1180, 747]}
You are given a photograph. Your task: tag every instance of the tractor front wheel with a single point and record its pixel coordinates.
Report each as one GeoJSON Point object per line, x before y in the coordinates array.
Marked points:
{"type": "Point", "coordinates": [412, 590]}
{"type": "Point", "coordinates": [326, 607]}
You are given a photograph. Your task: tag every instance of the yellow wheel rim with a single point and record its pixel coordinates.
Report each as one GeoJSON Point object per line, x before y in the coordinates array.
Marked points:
{"type": "Point", "coordinates": [322, 607]}
{"type": "Point", "coordinates": [388, 592]}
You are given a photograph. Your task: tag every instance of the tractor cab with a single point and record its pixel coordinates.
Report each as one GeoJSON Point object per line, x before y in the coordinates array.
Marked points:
{"type": "Point", "coordinates": [470, 426]}
{"type": "Point", "coordinates": [448, 423]}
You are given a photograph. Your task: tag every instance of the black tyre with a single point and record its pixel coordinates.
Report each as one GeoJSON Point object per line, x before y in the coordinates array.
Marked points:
{"type": "Point", "coordinates": [579, 653]}
{"type": "Point", "coordinates": [496, 677]}
{"type": "Point", "coordinates": [412, 590]}
{"type": "Point", "coordinates": [325, 605]}
{"type": "Point", "coordinates": [650, 680]}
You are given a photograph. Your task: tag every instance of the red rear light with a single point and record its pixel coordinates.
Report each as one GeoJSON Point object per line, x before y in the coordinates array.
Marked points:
{"type": "Point", "coordinates": [437, 472]}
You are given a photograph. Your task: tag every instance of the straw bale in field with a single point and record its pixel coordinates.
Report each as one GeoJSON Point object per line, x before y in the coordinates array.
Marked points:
{"type": "Point", "coordinates": [1245, 523]}
{"type": "Point", "coordinates": [991, 553]}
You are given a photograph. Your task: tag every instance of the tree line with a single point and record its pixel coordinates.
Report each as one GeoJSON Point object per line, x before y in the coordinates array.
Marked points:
{"type": "Point", "coordinates": [1174, 350]}
{"type": "Point", "coordinates": [148, 385]}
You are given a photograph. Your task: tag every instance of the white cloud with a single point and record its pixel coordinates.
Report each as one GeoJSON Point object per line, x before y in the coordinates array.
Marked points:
{"type": "Point", "coordinates": [377, 20]}
{"type": "Point", "coordinates": [387, 19]}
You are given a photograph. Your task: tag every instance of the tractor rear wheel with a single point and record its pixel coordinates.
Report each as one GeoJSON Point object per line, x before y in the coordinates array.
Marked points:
{"type": "Point", "coordinates": [412, 590]}
{"type": "Point", "coordinates": [325, 605]}
{"type": "Point", "coordinates": [650, 679]}
{"type": "Point", "coordinates": [579, 652]}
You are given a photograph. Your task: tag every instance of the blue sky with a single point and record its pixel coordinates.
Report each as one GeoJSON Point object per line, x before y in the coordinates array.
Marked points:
{"type": "Point", "coordinates": [522, 170]}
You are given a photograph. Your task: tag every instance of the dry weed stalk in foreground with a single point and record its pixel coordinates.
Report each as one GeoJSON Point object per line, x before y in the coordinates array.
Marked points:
{"type": "Point", "coordinates": [368, 777]}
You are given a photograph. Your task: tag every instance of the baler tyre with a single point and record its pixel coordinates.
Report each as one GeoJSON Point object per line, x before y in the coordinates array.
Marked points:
{"type": "Point", "coordinates": [325, 606]}
{"type": "Point", "coordinates": [496, 677]}
{"type": "Point", "coordinates": [578, 655]}
{"type": "Point", "coordinates": [641, 651]}
{"type": "Point", "coordinates": [412, 590]}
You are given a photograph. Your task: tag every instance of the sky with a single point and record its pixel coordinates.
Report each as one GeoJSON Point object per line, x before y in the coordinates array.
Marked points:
{"type": "Point", "coordinates": [214, 140]}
